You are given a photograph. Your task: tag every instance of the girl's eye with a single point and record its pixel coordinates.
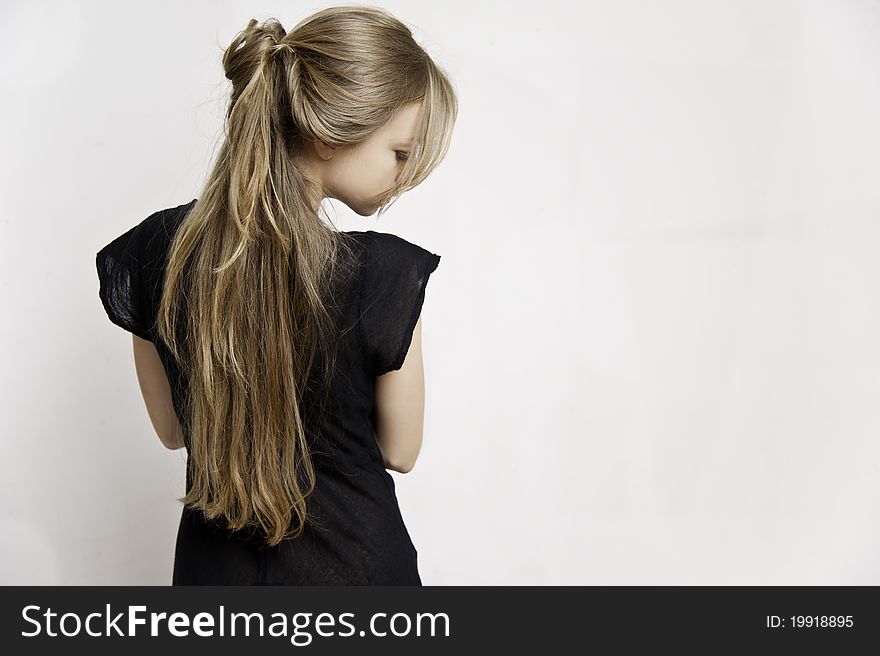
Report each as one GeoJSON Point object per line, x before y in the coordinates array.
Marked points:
{"type": "Point", "coordinates": [402, 156]}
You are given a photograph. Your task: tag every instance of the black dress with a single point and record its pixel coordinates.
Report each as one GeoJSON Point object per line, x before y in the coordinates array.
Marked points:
{"type": "Point", "coordinates": [359, 537]}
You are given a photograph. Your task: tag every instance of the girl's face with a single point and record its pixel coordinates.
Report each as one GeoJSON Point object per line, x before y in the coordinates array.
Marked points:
{"type": "Point", "coordinates": [360, 176]}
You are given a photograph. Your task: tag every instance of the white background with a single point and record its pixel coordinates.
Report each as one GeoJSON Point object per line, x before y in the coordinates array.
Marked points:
{"type": "Point", "coordinates": [651, 346]}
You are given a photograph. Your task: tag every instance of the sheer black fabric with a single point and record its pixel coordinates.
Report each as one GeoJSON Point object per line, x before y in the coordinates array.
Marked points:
{"type": "Point", "coordinates": [357, 536]}
{"type": "Point", "coordinates": [394, 289]}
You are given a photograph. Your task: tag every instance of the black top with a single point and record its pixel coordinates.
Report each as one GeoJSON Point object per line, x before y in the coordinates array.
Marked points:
{"type": "Point", "coordinates": [359, 537]}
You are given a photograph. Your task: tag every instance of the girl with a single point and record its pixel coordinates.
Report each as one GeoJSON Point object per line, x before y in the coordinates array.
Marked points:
{"type": "Point", "coordinates": [285, 355]}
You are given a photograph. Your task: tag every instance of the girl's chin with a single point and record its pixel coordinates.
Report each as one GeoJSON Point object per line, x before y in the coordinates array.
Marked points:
{"type": "Point", "coordinates": [365, 210]}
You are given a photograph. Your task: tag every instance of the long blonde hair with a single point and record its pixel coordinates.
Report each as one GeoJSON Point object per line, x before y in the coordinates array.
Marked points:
{"type": "Point", "coordinates": [252, 268]}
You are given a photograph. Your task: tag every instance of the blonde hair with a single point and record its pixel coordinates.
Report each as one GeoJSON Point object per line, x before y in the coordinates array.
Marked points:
{"type": "Point", "coordinates": [253, 268]}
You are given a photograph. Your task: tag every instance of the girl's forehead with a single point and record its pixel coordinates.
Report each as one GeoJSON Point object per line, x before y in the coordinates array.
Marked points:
{"type": "Point", "coordinates": [403, 125]}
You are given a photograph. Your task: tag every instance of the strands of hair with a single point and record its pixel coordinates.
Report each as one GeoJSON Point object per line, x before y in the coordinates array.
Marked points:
{"type": "Point", "coordinates": [247, 305]}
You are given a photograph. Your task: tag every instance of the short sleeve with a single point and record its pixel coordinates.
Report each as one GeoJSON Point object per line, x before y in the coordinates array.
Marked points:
{"type": "Point", "coordinates": [121, 287]}
{"type": "Point", "coordinates": [395, 276]}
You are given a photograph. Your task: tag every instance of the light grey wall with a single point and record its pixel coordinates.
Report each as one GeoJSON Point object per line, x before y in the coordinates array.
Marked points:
{"type": "Point", "coordinates": [650, 347]}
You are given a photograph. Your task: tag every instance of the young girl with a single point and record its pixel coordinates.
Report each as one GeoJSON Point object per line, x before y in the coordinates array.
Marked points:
{"type": "Point", "coordinates": [283, 354]}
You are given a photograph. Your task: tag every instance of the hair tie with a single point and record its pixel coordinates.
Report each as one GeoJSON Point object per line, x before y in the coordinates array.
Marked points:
{"type": "Point", "coordinates": [282, 45]}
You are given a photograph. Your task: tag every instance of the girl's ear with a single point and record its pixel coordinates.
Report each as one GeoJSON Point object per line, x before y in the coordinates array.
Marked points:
{"type": "Point", "coordinates": [321, 149]}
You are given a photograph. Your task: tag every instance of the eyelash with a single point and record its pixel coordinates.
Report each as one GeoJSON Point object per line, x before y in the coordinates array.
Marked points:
{"type": "Point", "coordinates": [404, 158]}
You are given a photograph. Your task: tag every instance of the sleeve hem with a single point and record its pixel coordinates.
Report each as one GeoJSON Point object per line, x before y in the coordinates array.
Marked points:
{"type": "Point", "coordinates": [103, 287]}
{"type": "Point", "coordinates": [416, 312]}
